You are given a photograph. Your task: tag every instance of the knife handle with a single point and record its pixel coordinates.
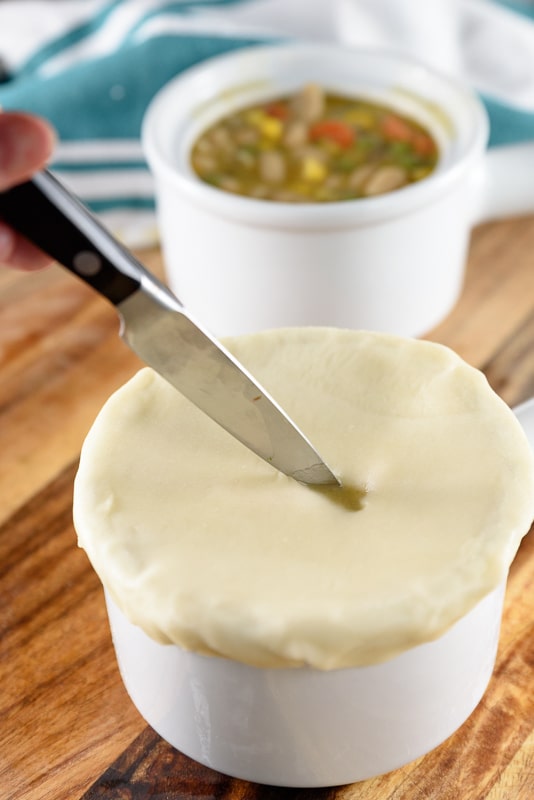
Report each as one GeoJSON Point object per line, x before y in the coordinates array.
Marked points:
{"type": "Point", "coordinates": [45, 212]}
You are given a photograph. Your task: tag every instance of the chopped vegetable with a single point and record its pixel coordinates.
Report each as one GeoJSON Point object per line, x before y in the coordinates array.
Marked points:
{"type": "Point", "coordinates": [313, 170]}
{"type": "Point", "coordinates": [279, 109]}
{"type": "Point", "coordinates": [335, 130]}
{"type": "Point", "coordinates": [314, 147]}
{"type": "Point", "coordinates": [270, 127]}
{"type": "Point", "coordinates": [423, 144]}
{"type": "Point", "coordinates": [396, 129]}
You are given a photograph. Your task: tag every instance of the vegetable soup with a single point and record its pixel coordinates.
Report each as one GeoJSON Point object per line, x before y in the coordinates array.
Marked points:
{"type": "Point", "coordinates": [314, 147]}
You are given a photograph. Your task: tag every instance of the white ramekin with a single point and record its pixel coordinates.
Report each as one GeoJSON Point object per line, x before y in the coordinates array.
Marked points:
{"type": "Point", "coordinates": [305, 727]}
{"type": "Point", "coordinates": [393, 263]}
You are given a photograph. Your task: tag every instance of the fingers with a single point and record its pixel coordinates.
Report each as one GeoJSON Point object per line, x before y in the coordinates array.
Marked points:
{"type": "Point", "coordinates": [26, 143]}
{"type": "Point", "coordinates": [15, 251]}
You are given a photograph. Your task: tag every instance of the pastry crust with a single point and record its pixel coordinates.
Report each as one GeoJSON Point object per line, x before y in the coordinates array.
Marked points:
{"type": "Point", "coordinates": [204, 545]}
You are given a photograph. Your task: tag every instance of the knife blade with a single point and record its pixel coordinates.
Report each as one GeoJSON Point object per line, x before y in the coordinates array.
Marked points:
{"type": "Point", "coordinates": [159, 329]}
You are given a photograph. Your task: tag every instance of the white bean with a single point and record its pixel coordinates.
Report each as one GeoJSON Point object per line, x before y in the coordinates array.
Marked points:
{"type": "Point", "coordinates": [204, 163]}
{"type": "Point", "coordinates": [310, 151]}
{"type": "Point", "coordinates": [308, 104]}
{"type": "Point", "coordinates": [272, 167]}
{"type": "Point", "coordinates": [359, 175]}
{"type": "Point", "coordinates": [222, 139]}
{"type": "Point", "coordinates": [229, 183]}
{"type": "Point", "coordinates": [246, 135]}
{"type": "Point", "coordinates": [385, 179]}
{"type": "Point", "coordinates": [296, 133]}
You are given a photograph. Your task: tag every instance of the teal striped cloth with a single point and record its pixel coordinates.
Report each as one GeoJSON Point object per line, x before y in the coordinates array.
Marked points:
{"type": "Point", "coordinates": [92, 66]}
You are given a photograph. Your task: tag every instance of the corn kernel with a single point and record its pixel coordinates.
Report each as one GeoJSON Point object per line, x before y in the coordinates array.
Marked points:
{"type": "Point", "coordinates": [270, 127]}
{"type": "Point", "coordinates": [313, 170]}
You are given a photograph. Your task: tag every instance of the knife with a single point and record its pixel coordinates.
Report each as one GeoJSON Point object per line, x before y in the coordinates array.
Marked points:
{"type": "Point", "coordinates": [159, 329]}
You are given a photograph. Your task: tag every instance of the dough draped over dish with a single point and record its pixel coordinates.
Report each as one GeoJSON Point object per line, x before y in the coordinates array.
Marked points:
{"type": "Point", "coordinates": [203, 544]}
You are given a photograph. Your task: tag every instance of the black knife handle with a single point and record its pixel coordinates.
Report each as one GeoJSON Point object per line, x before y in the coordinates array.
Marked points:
{"type": "Point", "coordinates": [50, 216]}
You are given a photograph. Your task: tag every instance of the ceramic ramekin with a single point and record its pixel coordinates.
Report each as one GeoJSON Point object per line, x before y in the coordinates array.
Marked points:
{"type": "Point", "coordinates": [305, 727]}
{"type": "Point", "coordinates": [309, 728]}
{"type": "Point", "coordinates": [393, 263]}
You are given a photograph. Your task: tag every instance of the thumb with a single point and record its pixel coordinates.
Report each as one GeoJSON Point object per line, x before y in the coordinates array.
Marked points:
{"type": "Point", "coordinates": [26, 143]}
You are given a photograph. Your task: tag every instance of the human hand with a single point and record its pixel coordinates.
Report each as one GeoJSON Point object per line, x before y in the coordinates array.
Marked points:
{"type": "Point", "coordinates": [26, 143]}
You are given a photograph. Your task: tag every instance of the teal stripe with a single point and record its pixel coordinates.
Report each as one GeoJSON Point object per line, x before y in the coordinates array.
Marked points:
{"type": "Point", "coordinates": [522, 9]}
{"type": "Point", "coordinates": [508, 125]}
{"type": "Point", "coordinates": [98, 166]}
{"type": "Point", "coordinates": [80, 102]}
{"type": "Point", "coordinates": [115, 203]}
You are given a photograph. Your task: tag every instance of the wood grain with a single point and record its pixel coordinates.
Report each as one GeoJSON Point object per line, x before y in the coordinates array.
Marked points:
{"type": "Point", "coordinates": [67, 727]}
{"type": "Point", "coordinates": [59, 712]}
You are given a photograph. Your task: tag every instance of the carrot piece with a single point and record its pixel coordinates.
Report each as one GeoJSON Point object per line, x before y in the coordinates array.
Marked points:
{"type": "Point", "coordinates": [395, 129]}
{"type": "Point", "coordinates": [277, 109]}
{"type": "Point", "coordinates": [335, 130]}
{"type": "Point", "coordinates": [423, 144]}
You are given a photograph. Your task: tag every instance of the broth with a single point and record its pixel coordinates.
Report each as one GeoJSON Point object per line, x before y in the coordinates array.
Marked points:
{"type": "Point", "coordinates": [312, 147]}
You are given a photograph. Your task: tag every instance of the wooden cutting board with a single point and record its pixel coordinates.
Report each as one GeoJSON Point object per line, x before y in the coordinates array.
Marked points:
{"type": "Point", "coordinates": [67, 728]}
{"type": "Point", "coordinates": [66, 667]}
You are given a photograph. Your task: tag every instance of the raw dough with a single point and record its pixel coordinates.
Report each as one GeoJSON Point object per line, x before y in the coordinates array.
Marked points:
{"type": "Point", "coordinates": [203, 544]}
